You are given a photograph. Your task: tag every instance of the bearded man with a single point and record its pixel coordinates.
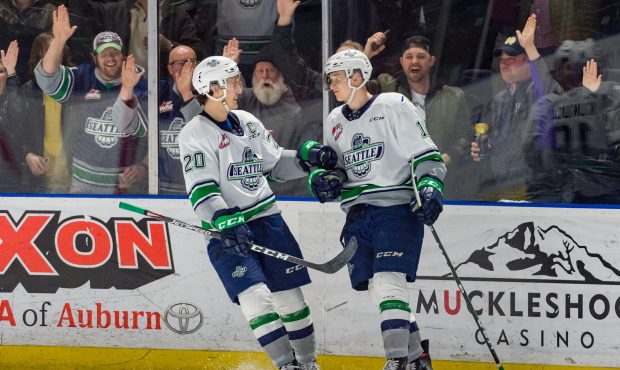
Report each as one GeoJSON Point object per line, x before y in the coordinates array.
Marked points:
{"type": "Point", "coordinates": [271, 100]}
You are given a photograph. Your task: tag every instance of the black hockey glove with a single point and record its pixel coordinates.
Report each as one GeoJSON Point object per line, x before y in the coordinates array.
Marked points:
{"type": "Point", "coordinates": [325, 185]}
{"type": "Point", "coordinates": [236, 236]}
{"type": "Point", "coordinates": [432, 205]}
{"type": "Point", "coordinates": [315, 154]}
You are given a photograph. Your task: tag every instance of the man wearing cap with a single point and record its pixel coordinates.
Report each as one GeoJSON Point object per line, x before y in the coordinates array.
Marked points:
{"type": "Point", "coordinates": [444, 107]}
{"type": "Point", "coordinates": [108, 140]}
{"type": "Point", "coordinates": [527, 79]}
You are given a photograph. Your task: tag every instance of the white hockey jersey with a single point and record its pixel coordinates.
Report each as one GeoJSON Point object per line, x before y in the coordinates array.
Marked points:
{"type": "Point", "coordinates": [226, 167]}
{"type": "Point", "coordinates": [376, 145]}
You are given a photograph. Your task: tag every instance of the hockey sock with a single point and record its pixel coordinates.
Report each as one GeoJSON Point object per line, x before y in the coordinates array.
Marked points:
{"type": "Point", "coordinates": [388, 291]}
{"type": "Point", "coordinates": [415, 341]}
{"type": "Point", "coordinates": [295, 314]}
{"type": "Point", "coordinates": [257, 307]}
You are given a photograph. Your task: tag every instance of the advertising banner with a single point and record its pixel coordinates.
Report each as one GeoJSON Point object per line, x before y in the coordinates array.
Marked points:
{"type": "Point", "coordinates": [545, 282]}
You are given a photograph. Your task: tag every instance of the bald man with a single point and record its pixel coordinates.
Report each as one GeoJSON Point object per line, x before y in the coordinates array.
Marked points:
{"type": "Point", "coordinates": [177, 106]}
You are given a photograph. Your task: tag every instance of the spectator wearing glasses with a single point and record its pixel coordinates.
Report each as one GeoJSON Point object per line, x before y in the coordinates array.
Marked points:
{"type": "Point", "coordinates": [108, 140]}
{"type": "Point", "coordinates": [526, 79]}
{"type": "Point", "coordinates": [177, 105]}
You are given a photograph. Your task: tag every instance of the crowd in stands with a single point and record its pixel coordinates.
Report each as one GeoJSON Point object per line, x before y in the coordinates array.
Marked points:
{"type": "Point", "coordinates": [539, 74]}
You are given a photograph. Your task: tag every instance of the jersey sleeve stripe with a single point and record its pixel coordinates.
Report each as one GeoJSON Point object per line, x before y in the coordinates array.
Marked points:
{"type": "Point", "coordinates": [432, 155]}
{"type": "Point", "coordinates": [202, 192]}
{"type": "Point", "coordinates": [427, 181]}
{"type": "Point", "coordinates": [61, 94]}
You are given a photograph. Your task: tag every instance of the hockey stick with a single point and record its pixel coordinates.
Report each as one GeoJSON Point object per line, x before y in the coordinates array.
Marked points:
{"type": "Point", "coordinates": [328, 267]}
{"type": "Point", "coordinates": [470, 307]}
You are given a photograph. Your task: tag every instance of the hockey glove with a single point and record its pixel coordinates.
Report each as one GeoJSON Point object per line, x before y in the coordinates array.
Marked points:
{"type": "Point", "coordinates": [235, 234]}
{"type": "Point", "coordinates": [315, 154]}
{"type": "Point", "coordinates": [431, 207]}
{"type": "Point", "coordinates": [325, 185]}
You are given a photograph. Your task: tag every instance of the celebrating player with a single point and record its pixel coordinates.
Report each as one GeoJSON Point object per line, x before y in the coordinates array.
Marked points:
{"type": "Point", "coordinates": [380, 141]}
{"type": "Point", "coordinates": [227, 155]}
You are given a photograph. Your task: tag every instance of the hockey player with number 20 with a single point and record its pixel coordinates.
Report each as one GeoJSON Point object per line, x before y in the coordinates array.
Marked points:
{"type": "Point", "coordinates": [380, 140]}
{"type": "Point", "coordinates": [227, 156]}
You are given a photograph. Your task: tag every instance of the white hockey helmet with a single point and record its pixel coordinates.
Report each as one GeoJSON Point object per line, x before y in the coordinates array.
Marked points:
{"type": "Point", "coordinates": [213, 70]}
{"type": "Point", "coordinates": [348, 61]}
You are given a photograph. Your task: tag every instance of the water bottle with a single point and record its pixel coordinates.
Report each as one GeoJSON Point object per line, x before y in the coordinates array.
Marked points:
{"type": "Point", "coordinates": [482, 137]}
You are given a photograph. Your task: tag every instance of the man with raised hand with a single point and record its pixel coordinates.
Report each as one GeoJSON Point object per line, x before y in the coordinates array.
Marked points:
{"type": "Point", "coordinates": [107, 138]}
{"type": "Point", "coordinates": [381, 141]}
{"type": "Point", "coordinates": [177, 106]}
{"type": "Point", "coordinates": [526, 79]}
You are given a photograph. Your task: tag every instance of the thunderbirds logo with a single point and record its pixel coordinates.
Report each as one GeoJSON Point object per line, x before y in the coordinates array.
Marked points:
{"type": "Point", "coordinates": [250, 4]}
{"type": "Point", "coordinates": [359, 158]}
{"type": "Point", "coordinates": [106, 133]}
{"type": "Point", "coordinates": [169, 139]}
{"type": "Point", "coordinates": [249, 171]}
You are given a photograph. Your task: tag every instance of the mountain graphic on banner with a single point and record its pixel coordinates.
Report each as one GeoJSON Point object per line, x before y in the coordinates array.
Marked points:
{"type": "Point", "coordinates": [530, 251]}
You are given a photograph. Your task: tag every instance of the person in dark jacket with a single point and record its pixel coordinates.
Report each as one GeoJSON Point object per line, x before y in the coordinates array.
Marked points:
{"type": "Point", "coordinates": [23, 20]}
{"type": "Point", "coordinates": [10, 171]}
{"type": "Point", "coordinates": [41, 121]}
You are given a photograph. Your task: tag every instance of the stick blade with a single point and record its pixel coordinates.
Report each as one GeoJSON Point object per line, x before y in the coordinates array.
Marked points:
{"type": "Point", "coordinates": [338, 262]}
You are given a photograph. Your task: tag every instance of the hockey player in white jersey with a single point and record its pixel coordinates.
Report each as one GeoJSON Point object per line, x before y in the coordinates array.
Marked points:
{"type": "Point", "coordinates": [380, 140]}
{"type": "Point", "coordinates": [227, 157]}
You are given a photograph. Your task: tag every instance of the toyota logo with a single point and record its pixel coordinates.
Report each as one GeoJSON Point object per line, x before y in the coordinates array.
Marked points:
{"type": "Point", "coordinates": [183, 318]}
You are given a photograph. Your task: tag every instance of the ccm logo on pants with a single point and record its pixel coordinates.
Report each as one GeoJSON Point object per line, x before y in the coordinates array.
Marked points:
{"type": "Point", "coordinates": [390, 254]}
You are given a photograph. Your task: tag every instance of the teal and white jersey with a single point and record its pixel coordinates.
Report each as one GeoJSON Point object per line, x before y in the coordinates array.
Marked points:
{"type": "Point", "coordinates": [376, 145]}
{"type": "Point", "coordinates": [225, 164]}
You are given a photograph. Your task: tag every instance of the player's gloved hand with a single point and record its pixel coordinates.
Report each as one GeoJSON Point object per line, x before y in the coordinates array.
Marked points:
{"type": "Point", "coordinates": [315, 154]}
{"type": "Point", "coordinates": [236, 236]}
{"type": "Point", "coordinates": [325, 185]}
{"type": "Point", "coordinates": [432, 205]}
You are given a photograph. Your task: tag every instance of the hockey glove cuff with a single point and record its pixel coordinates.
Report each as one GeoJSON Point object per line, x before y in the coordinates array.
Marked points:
{"type": "Point", "coordinates": [235, 234]}
{"type": "Point", "coordinates": [314, 154]}
{"type": "Point", "coordinates": [431, 198]}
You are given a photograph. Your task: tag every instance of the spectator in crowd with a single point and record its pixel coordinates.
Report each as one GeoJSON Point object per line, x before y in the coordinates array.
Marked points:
{"type": "Point", "coordinates": [574, 152]}
{"type": "Point", "coordinates": [526, 79]}
{"type": "Point", "coordinates": [443, 108]}
{"type": "Point", "coordinates": [177, 106]}
{"type": "Point", "coordinates": [250, 22]}
{"type": "Point", "coordinates": [10, 171]}
{"type": "Point", "coordinates": [128, 18]}
{"type": "Point", "coordinates": [272, 101]}
{"type": "Point", "coordinates": [23, 20]}
{"type": "Point", "coordinates": [305, 82]}
{"type": "Point", "coordinates": [41, 128]}
{"type": "Point", "coordinates": [108, 141]}
{"type": "Point", "coordinates": [562, 20]}
{"type": "Point", "coordinates": [204, 15]}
